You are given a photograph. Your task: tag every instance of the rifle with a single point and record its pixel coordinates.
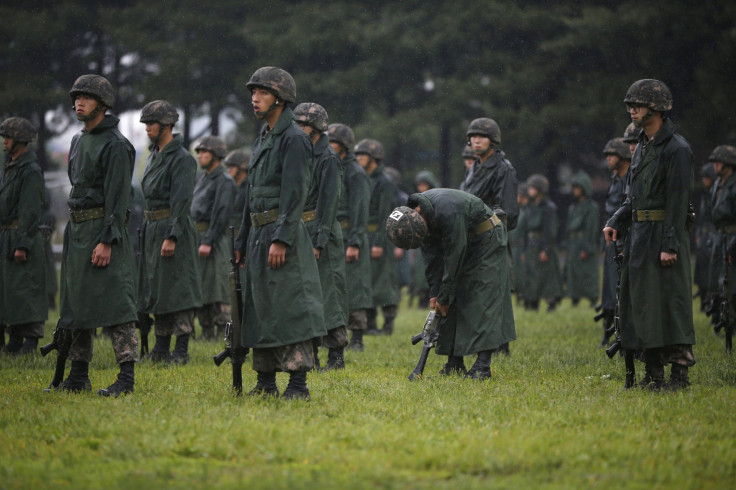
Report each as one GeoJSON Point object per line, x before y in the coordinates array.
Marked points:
{"type": "Point", "coordinates": [429, 335]}
{"type": "Point", "coordinates": [614, 348]}
{"type": "Point", "coordinates": [724, 319]}
{"type": "Point", "coordinates": [61, 342]}
{"type": "Point", "coordinates": [144, 321]}
{"type": "Point", "coordinates": [233, 349]}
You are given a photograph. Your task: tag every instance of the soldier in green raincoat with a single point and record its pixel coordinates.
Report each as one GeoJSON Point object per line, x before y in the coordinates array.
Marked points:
{"type": "Point", "coordinates": [282, 292]}
{"type": "Point", "coordinates": [212, 203]}
{"type": "Point", "coordinates": [236, 163]}
{"type": "Point", "coordinates": [384, 281]}
{"type": "Point", "coordinates": [352, 214]}
{"type": "Point", "coordinates": [424, 181]}
{"type": "Point", "coordinates": [582, 237]}
{"type": "Point", "coordinates": [656, 282]}
{"type": "Point", "coordinates": [539, 229]}
{"type": "Point", "coordinates": [97, 268]}
{"type": "Point", "coordinates": [169, 281]}
{"type": "Point", "coordinates": [320, 215]}
{"type": "Point", "coordinates": [23, 301]}
{"type": "Point", "coordinates": [464, 245]}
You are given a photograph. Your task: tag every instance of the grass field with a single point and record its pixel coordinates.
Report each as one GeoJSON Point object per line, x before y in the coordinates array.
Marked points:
{"type": "Point", "coordinates": [554, 416]}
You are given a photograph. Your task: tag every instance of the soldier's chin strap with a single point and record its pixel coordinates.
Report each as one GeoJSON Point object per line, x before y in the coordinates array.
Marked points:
{"type": "Point", "coordinates": [263, 114]}
{"type": "Point", "coordinates": [92, 114]}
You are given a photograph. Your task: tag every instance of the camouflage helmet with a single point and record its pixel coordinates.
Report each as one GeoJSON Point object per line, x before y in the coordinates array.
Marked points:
{"type": "Point", "coordinates": [18, 129]}
{"type": "Point", "coordinates": [237, 158]}
{"type": "Point", "coordinates": [276, 80]}
{"type": "Point", "coordinates": [539, 182]}
{"type": "Point", "coordinates": [95, 85]}
{"type": "Point", "coordinates": [707, 170]}
{"type": "Point", "coordinates": [468, 152]}
{"type": "Point", "coordinates": [213, 144]}
{"type": "Point", "coordinates": [726, 154]}
{"type": "Point", "coordinates": [631, 133]}
{"type": "Point", "coordinates": [617, 147]}
{"type": "Point", "coordinates": [406, 228]}
{"type": "Point", "coordinates": [650, 93]}
{"type": "Point", "coordinates": [312, 114]}
{"type": "Point", "coordinates": [485, 127]}
{"type": "Point", "coordinates": [341, 134]}
{"type": "Point", "coordinates": [159, 111]}
{"type": "Point", "coordinates": [372, 148]}
{"type": "Point", "coordinates": [428, 178]}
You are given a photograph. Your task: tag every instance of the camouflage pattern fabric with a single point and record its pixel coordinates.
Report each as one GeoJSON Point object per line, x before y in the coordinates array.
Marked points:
{"type": "Point", "coordinates": [618, 147]}
{"type": "Point", "coordinates": [176, 323]}
{"type": "Point", "coordinates": [293, 357]}
{"type": "Point", "coordinates": [34, 329]}
{"type": "Point", "coordinates": [18, 129]}
{"type": "Point", "coordinates": [485, 127]}
{"type": "Point", "coordinates": [124, 342]}
{"type": "Point", "coordinates": [213, 314]}
{"type": "Point", "coordinates": [650, 93]}
{"type": "Point", "coordinates": [370, 147]}
{"type": "Point", "coordinates": [726, 154]}
{"type": "Point", "coordinates": [96, 86]}
{"type": "Point", "coordinates": [213, 144]}
{"type": "Point", "coordinates": [358, 319]}
{"type": "Point", "coordinates": [159, 111]}
{"type": "Point", "coordinates": [312, 114]}
{"type": "Point", "coordinates": [276, 80]}
{"type": "Point", "coordinates": [336, 338]}
{"type": "Point", "coordinates": [342, 134]}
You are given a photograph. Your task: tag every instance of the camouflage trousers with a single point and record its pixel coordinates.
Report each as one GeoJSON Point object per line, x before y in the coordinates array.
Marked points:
{"type": "Point", "coordinates": [124, 342]}
{"type": "Point", "coordinates": [293, 357]}
{"type": "Point", "coordinates": [335, 338]}
{"type": "Point", "coordinates": [672, 354]}
{"type": "Point", "coordinates": [358, 320]}
{"type": "Point", "coordinates": [213, 314]}
{"type": "Point", "coordinates": [176, 323]}
{"type": "Point", "coordinates": [34, 330]}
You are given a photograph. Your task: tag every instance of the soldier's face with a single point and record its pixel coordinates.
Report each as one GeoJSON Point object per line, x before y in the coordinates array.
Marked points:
{"type": "Point", "coordinates": [7, 144]}
{"type": "Point", "coordinates": [232, 170]}
{"type": "Point", "coordinates": [718, 168]}
{"type": "Point", "coordinates": [337, 147]}
{"type": "Point", "coordinates": [422, 187]}
{"type": "Point", "coordinates": [638, 113]}
{"type": "Point", "coordinates": [632, 148]}
{"type": "Point", "coordinates": [363, 159]}
{"type": "Point", "coordinates": [153, 131]}
{"type": "Point", "coordinates": [480, 144]}
{"type": "Point", "coordinates": [707, 181]}
{"type": "Point", "coordinates": [612, 161]}
{"type": "Point", "coordinates": [468, 162]}
{"type": "Point", "coordinates": [533, 192]}
{"type": "Point", "coordinates": [84, 105]}
{"type": "Point", "coordinates": [262, 101]}
{"type": "Point", "coordinates": [205, 158]}
{"type": "Point", "coordinates": [577, 192]}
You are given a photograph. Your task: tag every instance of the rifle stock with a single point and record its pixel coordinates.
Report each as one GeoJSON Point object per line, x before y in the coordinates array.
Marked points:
{"type": "Point", "coordinates": [617, 345]}
{"type": "Point", "coordinates": [429, 335]}
{"type": "Point", "coordinates": [61, 342]}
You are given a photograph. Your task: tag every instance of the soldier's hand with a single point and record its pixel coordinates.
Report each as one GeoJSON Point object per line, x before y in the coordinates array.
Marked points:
{"type": "Point", "coordinates": [276, 255]}
{"type": "Point", "coordinates": [543, 256]}
{"type": "Point", "coordinates": [239, 259]}
{"type": "Point", "coordinates": [101, 255]}
{"type": "Point", "coordinates": [441, 309]}
{"type": "Point", "coordinates": [316, 254]}
{"type": "Point", "coordinates": [433, 303]}
{"type": "Point", "coordinates": [398, 253]}
{"type": "Point", "coordinates": [168, 247]}
{"type": "Point", "coordinates": [667, 259]}
{"type": "Point", "coordinates": [376, 252]}
{"type": "Point", "coordinates": [204, 251]}
{"type": "Point", "coordinates": [583, 255]}
{"type": "Point", "coordinates": [352, 254]}
{"type": "Point", "coordinates": [610, 234]}
{"type": "Point", "coordinates": [20, 255]}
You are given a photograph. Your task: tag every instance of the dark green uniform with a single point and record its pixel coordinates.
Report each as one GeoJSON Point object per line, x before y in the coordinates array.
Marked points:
{"type": "Point", "coordinates": [495, 182]}
{"type": "Point", "coordinates": [723, 211]}
{"type": "Point", "coordinates": [169, 284]}
{"type": "Point", "coordinates": [516, 246]}
{"type": "Point", "coordinates": [467, 271]}
{"type": "Point", "coordinates": [539, 228]}
{"type": "Point", "coordinates": [211, 210]}
{"type": "Point", "coordinates": [614, 199]}
{"type": "Point", "coordinates": [283, 307]}
{"type": "Point", "coordinates": [100, 169]}
{"type": "Point", "coordinates": [384, 279]}
{"type": "Point", "coordinates": [23, 300]}
{"type": "Point", "coordinates": [656, 301]}
{"type": "Point", "coordinates": [324, 229]}
{"type": "Point", "coordinates": [352, 213]}
{"type": "Point", "coordinates": [236, 215]}
{"type": "Point", "coordinates": [583, 233]}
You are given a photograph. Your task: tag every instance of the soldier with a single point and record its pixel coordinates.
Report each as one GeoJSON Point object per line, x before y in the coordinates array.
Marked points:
{"type": "Point", "coordinates": [656, 283]}
{"type": "Point", "coordinates": [631, 136]}
{"type": "Point", "coordinates": [723, 212]}
{"type": "Point", "coordinates": [236, 163]}
{"type": "Point", "coordinates": [384, 283]}
{"type": "Point", "coordinates": [170, 286]}
{"type": "Point", "coordinates": [97, 267]}
{"type": "Point", "coordinates": [583, 225]}
{"type": "Point", "coordinates": [283, 296]}
{"type": "Point", "coordinates": [23, 300]}
{"type": "Point", "coordinates": [424, 181]}
{"type": "Point", "coordinates": [352, 213]}
{"type": "Point", "coordinates": [211, 210]}
{"type": "Point", "coordinates": [540, 252]}
{"type": "Point", "coordinates": [618, 159]}
{"type": "Point", "coordinates": [516, 244]}
{"type": "Point", "coordinates": [464, 243]}
{"type": "Point", "coordinates": [320, 211]}
{"type": "Point", "coordinates": [704, 236]}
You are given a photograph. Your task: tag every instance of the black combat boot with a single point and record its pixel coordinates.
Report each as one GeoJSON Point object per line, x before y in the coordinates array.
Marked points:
{"type": "Point", "coordinates": [181, 349]}
{"type": "Point", "coordinates": [30, 346]}
{"type": "Point", "coordinates": [14, 344]}
{"type": "Point", "coordinates": [316, 342]}
{"type": "Point", "coordinates": [125, 382]}
{"type": "Point", "coordinates": [160, 352]}
{"type": "Point", "coordinates": [265, 385]}
{"type": "Point", "coordinates": [372, 314]}
{"type": "Point", "coordinates": [78, 379]}
{"type": "Point", "coordinates": [678, 378]}
{"type": "Point", "coordinates": [607, 332]}
{"type": "Point", "coordinates": [503, 349]}
{"type": "Point", "coordinates": [356, 341]}
{"type": "Point", "coordinates": [388, 327]}
{"type": "Point", "coordinates": [454, 365]}
{"type": "Point", "coordinates": [335, 359]}
{"type": "Point", "coordinates": [653, 377]}
{"type": "Point", "coordinates": [297, 387]}
{"type": "Point", "coordinates": [481, 367]}
{"type": "Point", "coordinates": [208, 332]}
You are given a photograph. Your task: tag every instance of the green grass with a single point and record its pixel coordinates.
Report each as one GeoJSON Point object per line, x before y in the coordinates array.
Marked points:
{"type": "Point", "coordinates": [554, 415]}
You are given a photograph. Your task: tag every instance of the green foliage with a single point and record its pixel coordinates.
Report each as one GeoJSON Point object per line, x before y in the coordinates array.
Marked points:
{"type": "Point", "coordinates": [554, 415]}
